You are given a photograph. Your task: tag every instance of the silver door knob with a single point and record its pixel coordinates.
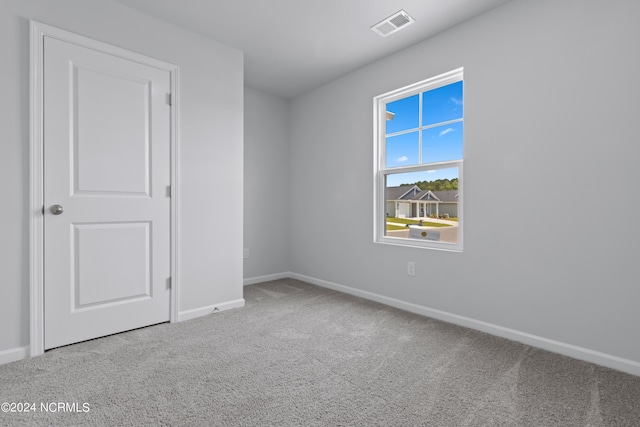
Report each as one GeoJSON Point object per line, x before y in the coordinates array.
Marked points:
{"type": "Point", "coordinates": [56, 209]}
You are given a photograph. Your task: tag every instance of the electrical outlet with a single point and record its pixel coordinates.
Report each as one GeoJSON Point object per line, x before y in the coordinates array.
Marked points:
{"type": "Point", "coordinates": [411, 268]}
{"type": "Point", "coordinates": [245, 253]}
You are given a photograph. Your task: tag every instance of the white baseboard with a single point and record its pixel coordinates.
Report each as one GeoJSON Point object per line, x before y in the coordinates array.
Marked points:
{"type": "Point", "coordinates": [13, 354]}
{"type": "Point", "coordinates": [603, 359]}
{"type": "Point", "coordinates": [267, 278]}
{"type": "Point", "coordinates": [203, 311]}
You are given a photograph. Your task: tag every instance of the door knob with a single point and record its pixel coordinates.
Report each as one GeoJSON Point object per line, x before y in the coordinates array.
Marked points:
{"type": "Point", "coordinates": [56, 209]}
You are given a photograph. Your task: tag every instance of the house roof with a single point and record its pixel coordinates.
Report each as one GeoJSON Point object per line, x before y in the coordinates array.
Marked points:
{"type": "Point", "coordinates": [447, 196]}
{"type": "Point", "coordinates": [397, 193]}
{"type": "Point", "coordinates": [400, 193]}
{"type": "Point", "coordinates": [425, 195]}
{"type": "Point", "coordinates": [438, 196]}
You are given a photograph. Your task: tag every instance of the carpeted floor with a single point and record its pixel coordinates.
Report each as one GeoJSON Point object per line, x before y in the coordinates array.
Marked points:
{"type": "Point", "coordinates": [300, 355]}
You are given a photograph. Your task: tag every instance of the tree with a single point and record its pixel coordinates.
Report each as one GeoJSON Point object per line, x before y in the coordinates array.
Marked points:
{"type": "Point", "coordinates": [437, 185]}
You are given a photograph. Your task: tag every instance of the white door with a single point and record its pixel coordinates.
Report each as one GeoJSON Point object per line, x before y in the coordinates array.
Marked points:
{"type": "Point", "coordinates": [107, 165]}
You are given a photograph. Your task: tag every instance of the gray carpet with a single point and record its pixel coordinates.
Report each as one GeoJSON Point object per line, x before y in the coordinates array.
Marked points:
{"type": "Point", "coordinates": [300, 355]}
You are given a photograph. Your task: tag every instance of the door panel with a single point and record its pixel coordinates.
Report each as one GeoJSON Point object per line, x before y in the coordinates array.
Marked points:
{"type": "Point", "coordinates": [112, 132]}
{"type": "Point", "coordinates": [103, 276]}
{"type": "Point", "coordinates": [107, 162]}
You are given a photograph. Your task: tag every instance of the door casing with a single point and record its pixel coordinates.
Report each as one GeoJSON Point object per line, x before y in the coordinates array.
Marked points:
{"type": "Point", "coordinates": [36, 217]}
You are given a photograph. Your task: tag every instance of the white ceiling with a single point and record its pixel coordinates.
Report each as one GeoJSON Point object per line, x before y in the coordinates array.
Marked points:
{"type": "Point", "coordinates": [293, 46]}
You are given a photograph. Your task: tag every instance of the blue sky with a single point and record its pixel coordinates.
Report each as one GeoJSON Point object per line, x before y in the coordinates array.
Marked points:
{"type": "Point", "coordinates": [407, 111]}
{"type": "Point", "coordinates": [442, 104]}
{"type": "Point", "coordinates": [440, 143]}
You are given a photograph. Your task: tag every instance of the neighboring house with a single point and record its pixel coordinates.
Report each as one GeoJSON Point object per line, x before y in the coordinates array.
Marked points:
{"type": "Point", "coordinates": [409, 201]}
{"type": "Point", "coordinates": [399, 200]}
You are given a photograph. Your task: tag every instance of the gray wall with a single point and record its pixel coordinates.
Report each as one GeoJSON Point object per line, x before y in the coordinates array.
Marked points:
{"type": "Point", "coordinates": [551, 93]}
{"type": "Point", "coordinates": [211, 155]}
{"type": "Point", "coordinates": [266, 190]}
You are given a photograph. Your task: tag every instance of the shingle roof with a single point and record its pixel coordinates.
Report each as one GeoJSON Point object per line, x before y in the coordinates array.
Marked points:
{"type": "Point", "coordinates": [447, 196]}
{"type": "Point", "coordinates": [394, 193]}
{"type": "Point", "coordinates": [424, 195]}
{"type": "Point", "coordinates": [441, 196]}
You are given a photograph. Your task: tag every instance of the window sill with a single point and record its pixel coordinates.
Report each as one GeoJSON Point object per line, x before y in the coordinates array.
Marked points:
{"type": "Point", "coordinates": [418, 244]}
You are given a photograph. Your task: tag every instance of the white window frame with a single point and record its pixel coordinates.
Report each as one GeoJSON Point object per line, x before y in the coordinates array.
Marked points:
{"type": "Point", "coordinates": [380, 170]}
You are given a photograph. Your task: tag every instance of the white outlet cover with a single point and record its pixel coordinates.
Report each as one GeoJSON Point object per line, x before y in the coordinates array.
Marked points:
{"type": "Point", "coordinates": [411, 268]}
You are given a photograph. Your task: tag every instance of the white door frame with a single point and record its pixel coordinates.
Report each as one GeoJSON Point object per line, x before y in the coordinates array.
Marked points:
{"type": "Point", "coordinates": [36, 217]}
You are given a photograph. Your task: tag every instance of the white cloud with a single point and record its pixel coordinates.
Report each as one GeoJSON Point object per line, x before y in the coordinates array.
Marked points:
{"type": "Point", "coordinates": [431, 171]}
{"type": "Point", "coordinates": [402, 159]}
{"type": "Point", "coordinates": [456, 101]}
{"type": "Point", "coordinates": [446, 131]}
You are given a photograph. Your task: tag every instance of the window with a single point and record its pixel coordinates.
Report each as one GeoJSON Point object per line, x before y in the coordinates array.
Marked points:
{"type": "Point", "coordinates": [418, 155]}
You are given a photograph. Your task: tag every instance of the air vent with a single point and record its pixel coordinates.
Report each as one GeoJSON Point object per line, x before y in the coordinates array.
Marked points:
{"type": "Point", "coordinates": [392, 23]}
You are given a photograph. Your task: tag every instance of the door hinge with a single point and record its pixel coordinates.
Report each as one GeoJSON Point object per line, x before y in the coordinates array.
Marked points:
{"type": "Point", "coordinates": [169, 100]}
{"type": "Point", "coordinates": [168, 191]}
{"type": "Point", "coordinates": [169, 282]}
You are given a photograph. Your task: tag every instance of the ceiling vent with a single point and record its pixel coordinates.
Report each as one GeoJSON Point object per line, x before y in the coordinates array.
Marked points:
{"type": "Point", "coordinates": [393, 23]}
